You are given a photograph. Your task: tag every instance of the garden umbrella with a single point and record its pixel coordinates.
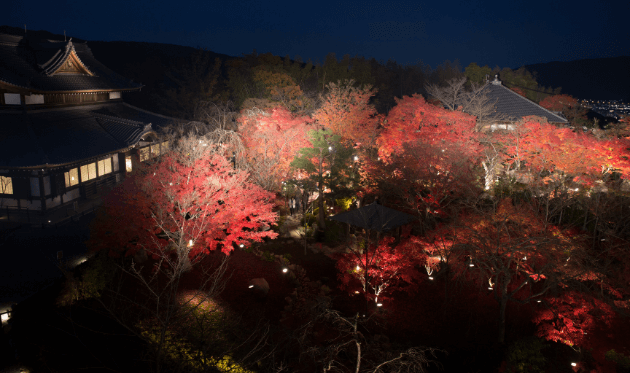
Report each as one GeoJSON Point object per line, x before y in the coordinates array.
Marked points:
{"type": "Point", "coordinates": [374, 217]}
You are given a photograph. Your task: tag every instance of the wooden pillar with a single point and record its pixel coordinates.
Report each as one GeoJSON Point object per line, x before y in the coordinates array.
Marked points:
{"type": "Point", "coordinates": [42, 190]}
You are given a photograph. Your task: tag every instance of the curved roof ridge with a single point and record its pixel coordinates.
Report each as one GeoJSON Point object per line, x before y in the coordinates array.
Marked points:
{"type": "Point", "coordinates": [156, 114]}
{"type": "Point", "coordinates": [57, 59]}
{"type": "Point", "coordinates": [119, 119]}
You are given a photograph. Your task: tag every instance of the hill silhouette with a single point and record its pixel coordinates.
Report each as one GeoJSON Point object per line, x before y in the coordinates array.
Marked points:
{"type": "Point", "coordinates": [596, 79]}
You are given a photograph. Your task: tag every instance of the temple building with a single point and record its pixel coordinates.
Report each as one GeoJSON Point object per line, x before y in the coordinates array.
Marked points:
{"type": "Point", "coordinates": [66, 134]}
{"type": "Point", "coordinates": [513, 107]}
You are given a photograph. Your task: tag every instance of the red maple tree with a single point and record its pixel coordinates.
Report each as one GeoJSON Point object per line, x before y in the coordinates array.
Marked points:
{"type": "Point", "coordinates": [569, 106]}
{"type": "Point", "coordinates": [372, 269]}
{"type": "Point", "coordinates": [571, 317]}
{"type": "Point", "coordinates": [186, 209]}
{"type": "Point", "coordinates": [510, 251]}
{"type": "Point", "coordinates": [413, 120]}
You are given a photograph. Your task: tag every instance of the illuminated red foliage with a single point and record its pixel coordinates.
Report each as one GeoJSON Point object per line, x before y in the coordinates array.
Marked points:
{"type": "Point", "coordinates": [389, 267]}
{"type": "Point", "coordinates": [170, 205]}
{"type": "Point", "coordinates": [272, 141]}
{"type": "Point", "coordinates": [572, 317]}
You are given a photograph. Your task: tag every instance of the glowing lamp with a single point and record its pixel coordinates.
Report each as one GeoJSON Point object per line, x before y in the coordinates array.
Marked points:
{"type": "Point", "coordinates": [430, 277]}
{"type": "Point", "coordinates": [358, 268]}
{"type": "Point", "coordinates": [49, 221]}
{"type": "Point", "coordinates": [285, 270]}
{"type": "Point", "coordinates": [379, 304]}
{"type": "Point", "coordinates": [490, 288]}
{"type": "Point", "coordinates": [573, 364]}
{"type": "Point", "coordinates": [5, 317]}
{"type": "Point", "coordinates": [356, 158]}
{"type": "Point", "coordinates": [471, 265]}
{"type": "Point", "coordinates": [538, 301]}
{"type": "Point", "coordinates": [190, 243]}
{"type": "Point", "coordinates": [251, 286]}
{"type": "Point", "coordinates": [356, 292]}
{"type": "Point", "coordinates": [330, 148]}
{"type": "Point", "coordinates": [241, 245]}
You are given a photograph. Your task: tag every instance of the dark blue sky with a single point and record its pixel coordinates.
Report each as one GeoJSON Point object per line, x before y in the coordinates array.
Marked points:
{"type": "Point", "coordinates": [507, 33]}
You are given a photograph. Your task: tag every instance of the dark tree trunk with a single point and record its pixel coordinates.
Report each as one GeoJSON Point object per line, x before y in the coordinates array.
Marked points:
{"type": "Point", "coordinates": [502, 307]}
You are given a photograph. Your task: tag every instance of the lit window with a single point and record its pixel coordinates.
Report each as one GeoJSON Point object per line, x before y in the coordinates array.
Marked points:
{"type": "Point", "coordinates": [88, 172]}
{"type": "Point", "coordinates": [104, 166]}
{"type": "Point", "coordinates": [144, 154]}
{"type": "Point", "coordinates": [164, 146]}
{"type": "Point", "coordinates": [128, 164]}
{"type": "Point", "coordinates": [6, 185]}
{"type": "Point", "coordinates": [155, 150]}
{"type": "Point", "coordinates": [72, 177]}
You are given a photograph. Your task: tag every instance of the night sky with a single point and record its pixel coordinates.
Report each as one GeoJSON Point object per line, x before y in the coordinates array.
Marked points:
{"type": "Point", "coordinates": [507, 34]}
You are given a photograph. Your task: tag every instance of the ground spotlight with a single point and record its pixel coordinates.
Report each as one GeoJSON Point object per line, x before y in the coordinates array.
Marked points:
{"type": "Point", "coordinates": [573, 364]}
{"type": "Point", "coordinates": [430, 277]}
{"type": "Point", "coordinates": [379, 304]}
{"type": "Point", "coordinates": [285, 270]}
{"type": "Point", "coordinates": [251, 286]}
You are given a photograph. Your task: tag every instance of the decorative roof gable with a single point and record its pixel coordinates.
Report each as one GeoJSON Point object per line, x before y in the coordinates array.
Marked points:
{"type": "Point", "coordinates": [41, 65]}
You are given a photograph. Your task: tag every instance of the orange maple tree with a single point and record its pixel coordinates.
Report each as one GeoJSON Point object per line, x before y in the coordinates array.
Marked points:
{"type": "Point", "coordinates": [346, 111]}
{"type": "Point", "coordinates": [272, 140]}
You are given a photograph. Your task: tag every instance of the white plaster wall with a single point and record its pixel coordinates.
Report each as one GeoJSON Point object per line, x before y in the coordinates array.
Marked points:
{"type": "Point", "coordinates": [53, 202]}
{"type": "Point", "coordinates": [46, 185]}
{"type": "Point", "coordinates": [34, 99]}
{"type": "Point", "coordinates": [114, 95]}
{"type": "Point", "coordinates": [115, 159]}
{"type": "Point", "coordinates": [12, 99]}
{"type": "Point", "coordinates": [73, 194]}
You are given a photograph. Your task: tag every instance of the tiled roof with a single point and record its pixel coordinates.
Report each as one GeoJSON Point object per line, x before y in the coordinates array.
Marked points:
{"type": "Point", "coordinates": [28, 64]}
{"type": "Point", "coordinates": [65, 135]}
{"type": "Point", "coordinates": [124, 110]}
{"type": "Point", "coordinates": [515, 106]}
